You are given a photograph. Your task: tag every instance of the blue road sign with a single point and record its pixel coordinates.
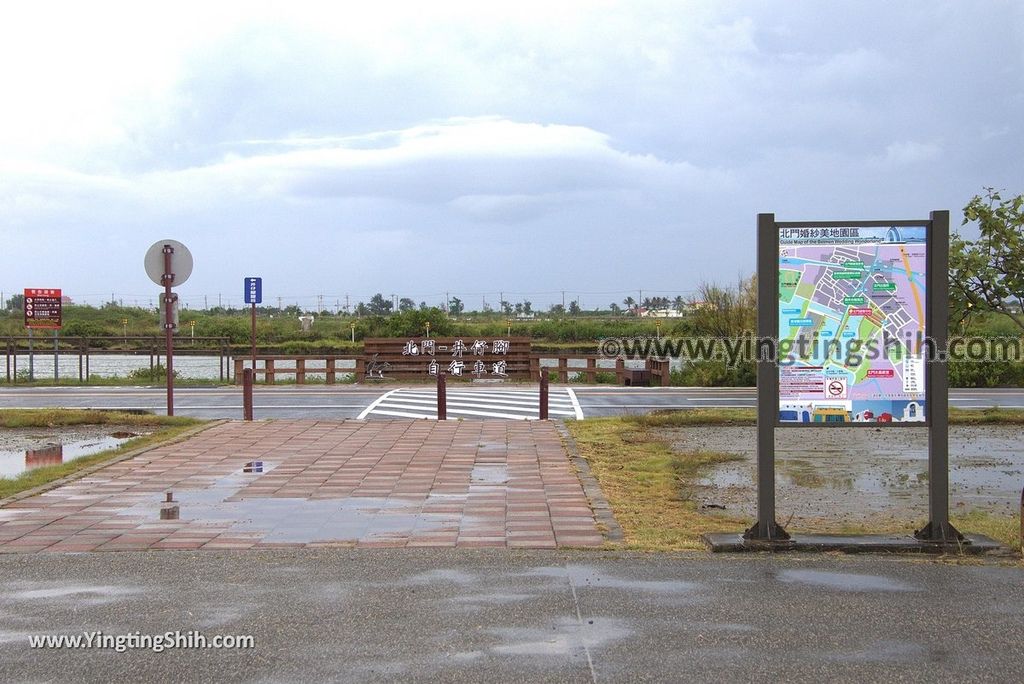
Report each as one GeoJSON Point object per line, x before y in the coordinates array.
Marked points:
{"type": "Point", "coordinates": [254, 290]}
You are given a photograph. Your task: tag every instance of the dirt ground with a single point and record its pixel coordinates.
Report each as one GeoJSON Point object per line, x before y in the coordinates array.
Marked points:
{"type": "Point", "coordinates": [851, 475]}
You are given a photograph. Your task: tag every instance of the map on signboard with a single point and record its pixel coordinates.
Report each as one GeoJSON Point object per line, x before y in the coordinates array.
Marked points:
{"type": "Point", "coordinates": [852, 324]}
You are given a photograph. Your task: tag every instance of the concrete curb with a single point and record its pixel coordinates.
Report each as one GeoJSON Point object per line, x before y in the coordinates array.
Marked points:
{"type": "Point", "coordinates": [79, 474]}
{"type": "Point", "coordinates": [598, 502]}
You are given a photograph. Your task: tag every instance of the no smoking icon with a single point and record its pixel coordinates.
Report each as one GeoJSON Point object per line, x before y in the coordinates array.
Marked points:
{"type": "Point", "coordinates": [836, 388]}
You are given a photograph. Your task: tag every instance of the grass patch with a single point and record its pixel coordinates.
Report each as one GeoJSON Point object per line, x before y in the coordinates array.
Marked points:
{"type": "Point", "coordinates": [23, 418]}
{"type": "Point", "coordinates": [747, 416]}
{"type": "Point", "coordinates": [166, 428]}
{"type": "Point", "coordinates": [688, 417]}
{"type": "Point", "coordinates": [648, 485]}
{"type": "Point", "coordinates": [988, 416]}
{"type": "Point", "coordinates": [1005, 529]}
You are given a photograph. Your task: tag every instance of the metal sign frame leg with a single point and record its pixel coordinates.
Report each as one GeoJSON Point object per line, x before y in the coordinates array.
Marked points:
{"type": "Point", "coordinates": [938, 528]}
{"type": "Point", "coordinates": [766, 528]}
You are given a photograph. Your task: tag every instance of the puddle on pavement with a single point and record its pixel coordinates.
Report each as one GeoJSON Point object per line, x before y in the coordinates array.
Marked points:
{"type": "Point", "coordinates": [890, 651]}
{"type": "Point", "coordinates": [842, 581]}
{"type": "Point", "coordinates": [566, 637]}
{"type": "Point", "coordinates": [856, 473]}
{"type": "Point", "coordinates": [16, 462]}
{"type": "Point", "coordinates": [79, 594]}
{"type": "Point", "coordinates": [294, 519]}
{"type": "Point", "coordinates": [585, 576]}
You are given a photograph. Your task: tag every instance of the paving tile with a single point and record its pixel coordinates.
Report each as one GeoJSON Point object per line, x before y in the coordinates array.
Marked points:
{"type": "Point", "coordinates": [350, 483]}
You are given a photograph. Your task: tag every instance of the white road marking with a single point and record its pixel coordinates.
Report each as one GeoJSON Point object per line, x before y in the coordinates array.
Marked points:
{"type": "Point", "coordinates": [373, 404]}
{"type": "Point", "coordinates": [506, 405]}
{"type": "Point", "coordinates": [575, 403]}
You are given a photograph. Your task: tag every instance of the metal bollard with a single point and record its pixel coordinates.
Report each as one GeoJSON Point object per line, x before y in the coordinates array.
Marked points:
{"type": "Point", "coordinates": [169, 510]}
{"type": "Point", "coordinates": [247, 379]}
{"type": "Point", "coordinates": [1022, 520]}
{"type": "Point", "coordinates": [543, 394]}
{"type": "Point", "coordinates": [442, 398]}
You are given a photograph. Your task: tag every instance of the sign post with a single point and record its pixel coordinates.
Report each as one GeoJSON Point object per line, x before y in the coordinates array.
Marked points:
{"type": "Point", "coordinates": [852, 324]}
{"type": "Point", "coordinates": [43, 309]}
{"type": "Point", "coordinates": [168, 263]}
{"type": "Point", "coordinates": [254, 296]}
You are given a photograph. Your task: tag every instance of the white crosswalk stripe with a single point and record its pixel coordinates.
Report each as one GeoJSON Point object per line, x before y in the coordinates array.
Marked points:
{"type": "Point", "coordinates": [504, 404]}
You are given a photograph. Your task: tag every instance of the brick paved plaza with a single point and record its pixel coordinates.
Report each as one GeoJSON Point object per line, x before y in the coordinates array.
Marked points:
{"type": "Point", "coordinates": [352, 483]}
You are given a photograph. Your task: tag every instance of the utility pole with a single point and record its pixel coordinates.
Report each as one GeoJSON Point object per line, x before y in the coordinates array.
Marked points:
{"type": "Point", "coordinates": [346, 304]}
{"type": "Point", "coordinates": [447, 304]}
{"type": "Point", "coordinates": [320, 304]}
{"type": "Point", "coordinates": [205, 305]}
{"type": "Point", "coordinates": [220, 302]}
{"type": "Point", "coordinates": [563, 300]}
{"type": "Point", "coordinates": [279, 303]}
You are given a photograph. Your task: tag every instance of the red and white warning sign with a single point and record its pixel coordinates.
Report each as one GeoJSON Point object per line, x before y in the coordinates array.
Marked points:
{"type": "Point", "coordinates": [835, 388]}
{"type": "Point", "coordinates": [43, 308]}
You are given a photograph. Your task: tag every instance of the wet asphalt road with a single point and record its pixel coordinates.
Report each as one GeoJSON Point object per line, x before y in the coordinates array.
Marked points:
{"type": "Point", "coordinates": [387, 615]}
{"type": "Point", "coordinates": [348, 401]}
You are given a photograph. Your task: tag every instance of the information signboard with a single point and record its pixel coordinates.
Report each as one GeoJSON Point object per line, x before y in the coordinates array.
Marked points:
{"type": "Point", "coordinates": [852, 324]}
{"type": "Point", "coordinates": [43, 308]}
{"type": "Point", "coordinates": [254, 290]}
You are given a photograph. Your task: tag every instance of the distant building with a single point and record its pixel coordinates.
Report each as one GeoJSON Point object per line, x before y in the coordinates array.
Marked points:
{"type": "Point", "coordinates": [660, 313]}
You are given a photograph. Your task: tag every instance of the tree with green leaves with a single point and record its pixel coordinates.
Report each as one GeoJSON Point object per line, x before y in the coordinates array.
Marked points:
{"type": "Point", "coordinates": [379, 306]}
{"type": "Point", "coordinates": [987, 274]}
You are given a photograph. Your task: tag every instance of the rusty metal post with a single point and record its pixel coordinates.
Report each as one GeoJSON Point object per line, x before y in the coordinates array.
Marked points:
{"type": "Point", "coordinates": [247, 377]}
{"type": "Point", "coordinates": [442, 398]}
{"type": "Point", "coordinates": [169, 326]}
{"type": "Point", "coordinates": [1022, 520]}
{"type": "Point", "coordinates": [253, 336]}
{"type": "Point", "coordinates": [543, 395]}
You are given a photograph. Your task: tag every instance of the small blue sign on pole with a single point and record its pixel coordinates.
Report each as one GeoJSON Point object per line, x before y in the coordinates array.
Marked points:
{"type": "Point", "coordinates": [254, 290]}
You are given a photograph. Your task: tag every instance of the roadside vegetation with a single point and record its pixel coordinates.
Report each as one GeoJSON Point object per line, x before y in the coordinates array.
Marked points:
{"type": "Point", "coordinates": [748, 416]}
{"type": "Point", "coordinates": [164, 428]}
{"type": "Point", "coordinates": [646, 483]}
{"type": "Point", "coordinates": [649, 485]}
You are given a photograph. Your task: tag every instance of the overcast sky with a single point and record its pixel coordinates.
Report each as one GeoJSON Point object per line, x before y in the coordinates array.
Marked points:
{"type": "Point", "coordinates": [479, 147]}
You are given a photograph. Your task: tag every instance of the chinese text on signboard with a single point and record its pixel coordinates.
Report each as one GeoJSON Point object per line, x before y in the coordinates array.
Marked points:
{"type": "Point", "coordinates": [479, 358]}
{"type": "Point", "coordinates": [42, 308]}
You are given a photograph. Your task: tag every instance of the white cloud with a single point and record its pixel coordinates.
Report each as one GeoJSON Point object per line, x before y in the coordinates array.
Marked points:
{"type": "Point", "coordinates": [911, 152]}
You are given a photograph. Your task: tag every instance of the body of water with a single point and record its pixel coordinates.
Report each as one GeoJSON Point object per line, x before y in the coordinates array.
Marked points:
{"type": "Point", "coordinates": [111, 365]}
